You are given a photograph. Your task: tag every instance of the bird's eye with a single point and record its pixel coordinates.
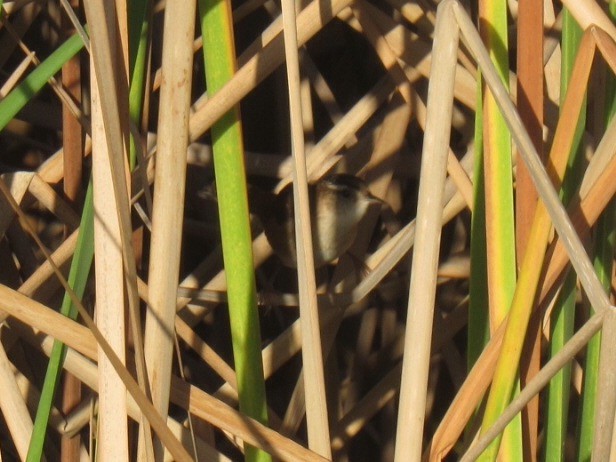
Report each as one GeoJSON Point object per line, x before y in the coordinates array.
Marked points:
{"type": "Point", "coordinates": [345, 192]}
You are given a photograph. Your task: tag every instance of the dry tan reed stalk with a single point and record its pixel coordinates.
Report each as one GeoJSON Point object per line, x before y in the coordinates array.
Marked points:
{"type": "Point", "coordinates": [110, 292]}
{"type": "Point", "coordinates": [109, 200]}
{"type": "Point", "coordinates": [167, 213]}
{"type": "Point", "coordinates": [40, 317]}
{"type": "Point", "coordinates": [110, 95]}
{"type": "Point", "coordinates": [52, 201]}
{"type": "Point", "coordinates": [416, 360]}
{"type": "Point", "coordinates": [312, 355]}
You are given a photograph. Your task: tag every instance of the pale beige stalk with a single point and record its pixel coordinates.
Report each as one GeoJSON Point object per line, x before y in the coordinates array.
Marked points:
{"type": "Point", "coordinates": [112, 425]}
{"type": "Point", "coordinates": [312, 355]}
{"type": "Point", "coordinates": [110, 308]}
{"type": "Point", "coordinates": [113, 93]}
{"type": "Point", "coordinates": [168, 204]}
{"type": "Point", "coordinates": [51, 322]}
{"type": "Point", "coordinates": [415, 366]}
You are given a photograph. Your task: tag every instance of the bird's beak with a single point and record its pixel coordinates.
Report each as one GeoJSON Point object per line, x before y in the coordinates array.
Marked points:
{"type": "Point", "coordinates": [375, 200]}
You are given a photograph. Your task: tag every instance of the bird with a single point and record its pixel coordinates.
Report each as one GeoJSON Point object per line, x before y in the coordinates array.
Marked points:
{"type": "Point", "coordinates": [338, 202]}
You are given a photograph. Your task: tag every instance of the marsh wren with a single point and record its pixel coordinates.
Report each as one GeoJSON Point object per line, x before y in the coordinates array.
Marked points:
{"type": "Point", "coordinates": [337, 205]}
